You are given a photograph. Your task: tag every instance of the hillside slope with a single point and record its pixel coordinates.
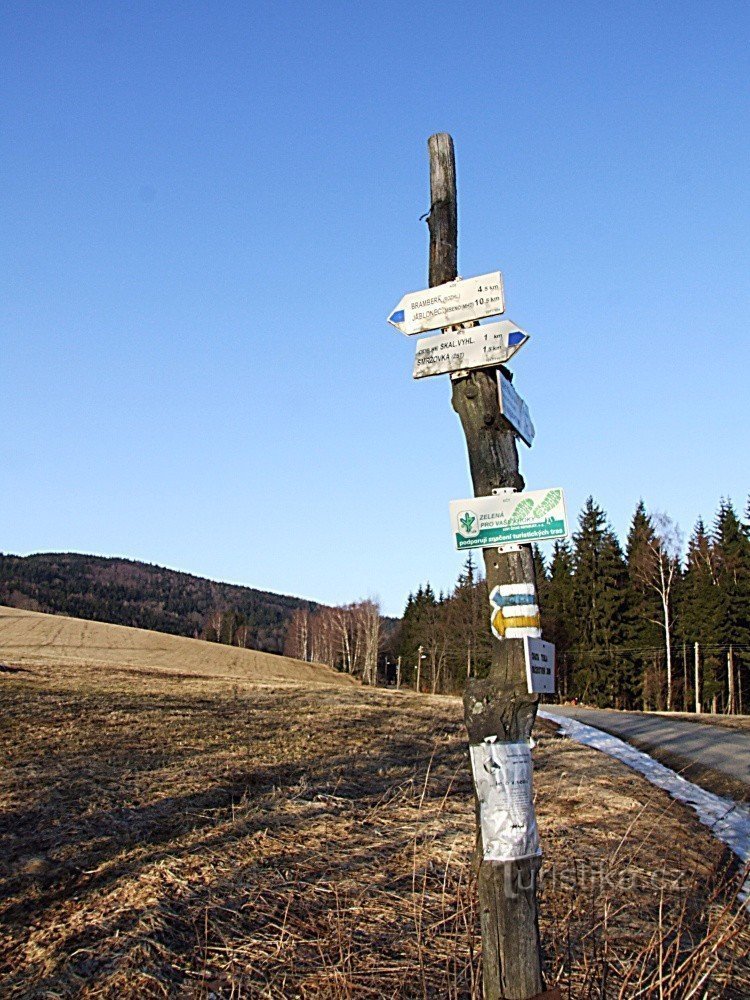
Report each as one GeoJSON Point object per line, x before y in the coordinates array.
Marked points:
{"type": "Point", "coordinates": [54, 644]}
{"type": "Point", "coordinates": [124, 592]}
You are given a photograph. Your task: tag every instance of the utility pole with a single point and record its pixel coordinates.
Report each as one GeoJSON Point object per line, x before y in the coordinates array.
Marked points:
{"type": "Point", "coordinates": [740, 702]}
{"type": "Point", "coordinates": [419, 668]}
{"type": "Point", "coordinates": [684, 677]}
{"type": "Point", "coordinates": [398, 674]}
{"type": "Point", "coordinates": [697, 678]}
{"type": "Point", "coordinates": [731, 695]}
{"type": "Point", "coordinates": [500, 705]}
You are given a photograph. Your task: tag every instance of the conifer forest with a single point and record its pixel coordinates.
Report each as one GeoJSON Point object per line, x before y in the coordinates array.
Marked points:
{"type": "Point", "coordinates": [634, 626]}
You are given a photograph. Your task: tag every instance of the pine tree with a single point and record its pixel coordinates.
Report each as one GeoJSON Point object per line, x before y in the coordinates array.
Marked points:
{"type": "Point", "coordinates": [540, 568]}
{"type": "Point", "coordinates": [700, 609]}
{"type": "Point", "coordinates": [731, 546]}
{"type": "Point", "coordinates": [407, 635]}
{"type": "Point", "coordinates": [731, 542]}
{"type": "Point", "coordinates": [643, 636]}
{"type": "Point", "coordinates": [436, 634]}
{"type": "Point", "coordinates": [418, 629]}
{"type": "Point", "coordinates": [557, 604]}
{"type": "Point", "coordinates": [602, 672]}
{"type": "Point", "coordinates": [465, 624]}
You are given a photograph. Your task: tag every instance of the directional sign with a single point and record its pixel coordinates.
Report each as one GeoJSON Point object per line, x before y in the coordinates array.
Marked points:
{"type": "Point", "coordinates": [508, 518]}
{"type": "Point", "coordinates": [458, 301]}
{"type": "Point", "coordinates": [515, 410]}
{"type": "Point", "coordinates": [472, 347]}
{"type": "Point", "coordinates": [514, 611]}
{"type": "Point", "coordinates": [540, 665]}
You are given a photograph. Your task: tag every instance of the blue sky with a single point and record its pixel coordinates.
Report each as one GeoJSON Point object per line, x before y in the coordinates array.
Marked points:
{"type": "Point", "coordinates": [209, 210]}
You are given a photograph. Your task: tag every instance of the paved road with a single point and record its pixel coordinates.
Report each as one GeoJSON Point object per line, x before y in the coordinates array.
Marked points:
{"type": "Point", "coordinates": [724, 750]}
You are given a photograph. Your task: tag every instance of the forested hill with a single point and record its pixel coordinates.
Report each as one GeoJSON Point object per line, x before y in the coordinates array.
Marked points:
{"type": "Point", "coordinates": [125, 592]}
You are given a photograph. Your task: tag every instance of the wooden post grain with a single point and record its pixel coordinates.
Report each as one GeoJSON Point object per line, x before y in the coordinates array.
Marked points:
{"type": "Point", "coordinates": [498, 705]}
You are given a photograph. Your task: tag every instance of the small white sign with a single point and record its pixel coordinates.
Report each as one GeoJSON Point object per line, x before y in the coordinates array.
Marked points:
{"type": "Point", "coordinates": [515, 410]}
{"type": "Point", "coordinates": [502, 778]}
{"type": "Point", "coordinates": [458, 301]}
{"type": "Point", "coordinates": [468, 348]}
{"type": "Point", "coordinates": [540, 665]}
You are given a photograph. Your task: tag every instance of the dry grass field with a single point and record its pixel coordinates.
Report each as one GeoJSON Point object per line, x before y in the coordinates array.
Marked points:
{"type": "Point", "coordinates": [30, 639]}
{"type": "Point", "coordinates": [181, 819]}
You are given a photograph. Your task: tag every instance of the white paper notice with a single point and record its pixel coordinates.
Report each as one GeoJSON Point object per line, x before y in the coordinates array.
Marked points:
{"type": "Point", "coordinates": [540, 665]}
{"type": "Point", "coordinates": [502, 776]}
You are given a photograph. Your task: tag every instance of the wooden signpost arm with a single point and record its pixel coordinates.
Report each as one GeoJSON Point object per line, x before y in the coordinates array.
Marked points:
{"type": "Point", "coordinates": [500, 704]}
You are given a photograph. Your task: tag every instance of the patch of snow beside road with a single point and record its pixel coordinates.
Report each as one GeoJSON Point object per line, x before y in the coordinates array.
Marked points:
{"type": "Point", "coordinates": [727, 820]}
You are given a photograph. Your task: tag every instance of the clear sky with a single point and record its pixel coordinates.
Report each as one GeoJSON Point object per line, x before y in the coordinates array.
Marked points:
{"type": "Point", "coordinates": [209, 209]}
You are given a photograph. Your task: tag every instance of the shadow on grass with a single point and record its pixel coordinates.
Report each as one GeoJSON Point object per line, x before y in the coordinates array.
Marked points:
{"type": "Point", "coordinates": [357, 769]}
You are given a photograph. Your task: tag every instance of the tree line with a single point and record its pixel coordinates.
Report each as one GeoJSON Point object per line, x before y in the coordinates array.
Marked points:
{"type": "Point", "coordinates": [630, 625]}
{"type": "Point", "coordinates": [348, 638]}
{"type": "Point", "coordinates": [127, 592]}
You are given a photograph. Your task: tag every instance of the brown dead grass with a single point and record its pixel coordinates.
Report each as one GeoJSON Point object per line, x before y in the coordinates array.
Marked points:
{"type": "Point", "coordinates": [193, 836]}
{"type": "Point", "coordinates": [31, 639]}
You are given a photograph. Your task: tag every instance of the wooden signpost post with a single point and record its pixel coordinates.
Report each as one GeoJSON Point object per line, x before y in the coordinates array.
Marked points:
{"type": "Point", "coordinates": [499, 710]}
{"type": "Point", "coordinates": [499, 706]}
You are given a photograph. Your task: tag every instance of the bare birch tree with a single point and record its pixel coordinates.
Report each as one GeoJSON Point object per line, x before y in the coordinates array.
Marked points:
{"type": "Point", "coordinates": [344, 638]}
{"type": "Point", "coordinates": [215, 625]}
{"type": "Point", "coordinates": [657, 565]}
{"type": "Point", "coordinates": [323, 637]}
{"type": "Point", "coordinates": [242, 636]}
{"type": "Point", "coordinates": [297, 642]}
{"type": "Point", "coordinates": [368, 629]}
{"type": "Point", "coordinates": [343, 624]}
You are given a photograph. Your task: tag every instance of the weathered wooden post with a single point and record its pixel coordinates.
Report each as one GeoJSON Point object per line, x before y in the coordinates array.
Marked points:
{"type": "Point", "coordinates": [502, 519]}
{"type": "Point", "coordinates": [500, 705]}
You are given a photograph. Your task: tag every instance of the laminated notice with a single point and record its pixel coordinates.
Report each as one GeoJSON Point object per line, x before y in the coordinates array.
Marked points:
{"type": "Point", "coordinates": [502, 777]}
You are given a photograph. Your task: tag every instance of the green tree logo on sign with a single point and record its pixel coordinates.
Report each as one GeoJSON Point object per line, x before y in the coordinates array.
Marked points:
{"type": "Point", "coordinates": [468, 525]}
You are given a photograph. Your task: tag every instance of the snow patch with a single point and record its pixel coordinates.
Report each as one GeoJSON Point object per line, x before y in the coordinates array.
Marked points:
{"type": "Point", "coordinates": [727, 820]}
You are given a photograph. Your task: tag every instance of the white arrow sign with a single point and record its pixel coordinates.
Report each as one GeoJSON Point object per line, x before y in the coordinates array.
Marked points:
{"type": "Point", "coordinates": [458, 301]}
{"type": "Point", "coordinates": [472, 347]}
{"type": "Point", "coordinates": [515, 410]}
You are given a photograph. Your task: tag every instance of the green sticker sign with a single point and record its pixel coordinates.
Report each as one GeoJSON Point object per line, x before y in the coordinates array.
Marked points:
{"type": "Point", "coordinates": [509, 518]}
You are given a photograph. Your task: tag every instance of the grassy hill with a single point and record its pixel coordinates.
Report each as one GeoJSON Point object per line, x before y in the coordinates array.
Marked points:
{"type": "Point", "coordinates": [31, 640]}
{"type": "Point", "coordinates": [124, 592]}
